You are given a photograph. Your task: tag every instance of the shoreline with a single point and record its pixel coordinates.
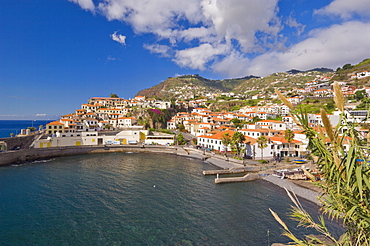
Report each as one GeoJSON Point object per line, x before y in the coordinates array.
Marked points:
{"type": "Point", "coordinates": [29, 155]}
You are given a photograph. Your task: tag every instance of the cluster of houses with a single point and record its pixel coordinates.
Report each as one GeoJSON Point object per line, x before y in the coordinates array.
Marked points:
{"type": "Point", "coordinates": [105, 120]}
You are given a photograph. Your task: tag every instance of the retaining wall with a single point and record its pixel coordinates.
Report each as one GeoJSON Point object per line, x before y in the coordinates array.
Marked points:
{"type": "Point", "coordinates": [21, 142]}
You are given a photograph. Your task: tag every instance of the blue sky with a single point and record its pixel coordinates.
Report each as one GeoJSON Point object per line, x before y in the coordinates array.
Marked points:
{"type": "Point", "coordinates": [55, 54]}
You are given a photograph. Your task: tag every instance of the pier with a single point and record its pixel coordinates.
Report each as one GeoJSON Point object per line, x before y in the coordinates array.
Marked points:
{"type": "Point", "coordinates": [231, 170]}
{"type": "Point", "coordinates": [247, 177]}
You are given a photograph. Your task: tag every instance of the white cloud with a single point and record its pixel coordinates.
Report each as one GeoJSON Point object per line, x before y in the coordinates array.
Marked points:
{"type": "Point", "coordinates": [346, 9]}
{"type": "Point", "coordinates": [85, 4]}
{"type": "Point", "coordinates": [221, 34]}
{"type": "Point", "coordinates": [292, 22]}
{"type": "Point", "coordinates": [118, 38]}
{"type": "Point", "coordinates": [328, 47]}
{"type": "Point", "coordinates": [198, 57]}
{"type": "Point", "coordinates": [234, 65]}
{"type": "Point", "coordinates": [209, 23]}
{"type": "Point", "coordinates": [162, 50]}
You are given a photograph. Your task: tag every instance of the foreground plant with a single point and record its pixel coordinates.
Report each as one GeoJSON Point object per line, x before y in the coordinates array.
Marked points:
{"type": "Point", "coordinates": [344, 163]}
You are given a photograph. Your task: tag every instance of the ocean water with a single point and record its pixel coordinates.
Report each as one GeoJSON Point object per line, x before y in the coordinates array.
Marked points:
{"type": "Point", "coordinates": [14, 126]}
{"type": "Point", "coordinates": [136, 199]}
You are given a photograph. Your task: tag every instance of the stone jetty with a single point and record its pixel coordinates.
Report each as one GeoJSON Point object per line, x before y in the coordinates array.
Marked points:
{"type": "Point", "coordinates": [247, 177]}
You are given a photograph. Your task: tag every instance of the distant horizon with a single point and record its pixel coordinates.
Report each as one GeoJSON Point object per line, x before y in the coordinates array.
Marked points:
{"type": "Point", "coordinates": [25, 118]}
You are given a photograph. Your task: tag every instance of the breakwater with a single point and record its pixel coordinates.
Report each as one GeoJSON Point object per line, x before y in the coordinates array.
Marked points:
{"type": "Point", "coordinates": [28, 155]}
{"type": "Point", "coordinates": [32, 154]}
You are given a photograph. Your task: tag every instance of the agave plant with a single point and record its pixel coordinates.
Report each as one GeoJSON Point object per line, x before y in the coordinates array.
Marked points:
{"type": "Point", "coordinates": [345, 178]}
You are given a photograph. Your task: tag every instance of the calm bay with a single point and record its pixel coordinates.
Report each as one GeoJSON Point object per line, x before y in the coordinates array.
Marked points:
{"type": "Point", "coordinates": [135, 199]}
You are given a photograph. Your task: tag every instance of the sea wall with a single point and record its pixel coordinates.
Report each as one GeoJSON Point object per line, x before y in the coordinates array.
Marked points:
{"type": "Point", "coordinates": [27, 155]}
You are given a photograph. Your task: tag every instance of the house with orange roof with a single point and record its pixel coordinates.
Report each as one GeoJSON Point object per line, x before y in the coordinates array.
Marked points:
{"type": "Point", "coordinates": [171, 124]}
{"type": "Point", "coordinates": [317, 120]}
{"type": "Point", "coordinates": [113, 122]}
{"type": "Point", "coordinates": [54, 127]}
{"type": "Point", "coordinates": [250, 145]}
{"type": "Point", "coordinates": [295, 148]}
{"type": "Point", "coordinates": [140, 98]}
{"type": "Point", "coordinates": [161, 104]}
{"type": "Point", "coordinates": [289, 122]}
{"type": "Point", "coordinates": [323, 93]}
{"type": "Point", "coordinates": [295, 100]}
{"type": "Point", "coordinates": [104, 125]}
{"type": "Point", "coordinates": [124, 122]}
{"type": "Point", "coordinates": [90, 107]}
{"type": "Point", "coordinates": [204, 131]}
{"type": "Point", "coordinates": [265, 115]}
{"type": "Point", "coordinates": [220, 122]}
{"type": "Point", "coordinates": [271, 124]}
{"type": "Point", "coordinates": [80, 111]}
{"type": "Point", "coordinates": [194, 128]}
{"type": "Point", "coordinates": [114, 116]}
{"type": "Point", "coordinates": [282, 109]}
{"type": "Point", "coordinates": [67, 116]}
{"type": "Point", "coordinates": [256, 133]}
{"type": "Point", "coordinates": [363, 74]}
{"type": "Point", "coordinates": [214, 142]}
{"type": "Point", "coordinates": [91, 124]}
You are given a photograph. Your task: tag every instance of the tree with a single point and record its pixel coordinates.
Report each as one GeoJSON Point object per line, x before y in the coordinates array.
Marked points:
{"type": "Point", "coordinates": [32, 129]}
{"type": "Point", "coordinates": [226, 140]}
{"type": "Point", "coordinates": [180, 139]}
{"type": "Point", "coordinates": [113, 95]}
{"type": "Point", "coordinates": [359, 95]}
{"type": "Point", "coordinates": [256, 119]}
{"type": "Point", "coordinates": [238, 123]}
{"type": "Point", "coordinates": [347, 66]}
{"type": "Point", "coordinates": [345, 179]}
{"type": "Point", "coordinates": [289, 136]}
{"type": "Point", "coordinates": [236, 141]}
{"type": "Point", "coordinates": [181, 127]}
{"type": "Point", "coordinates": [262, 143]}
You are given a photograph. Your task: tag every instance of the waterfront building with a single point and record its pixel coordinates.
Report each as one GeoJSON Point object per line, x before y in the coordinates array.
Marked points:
{"type": "Point", "coordinates": [54, 127]}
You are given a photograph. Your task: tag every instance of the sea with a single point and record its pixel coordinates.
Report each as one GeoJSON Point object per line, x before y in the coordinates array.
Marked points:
{"type": "Point", "coordinates": [137, 199]}
{"type": "Point", "coordinates": [14, 126]}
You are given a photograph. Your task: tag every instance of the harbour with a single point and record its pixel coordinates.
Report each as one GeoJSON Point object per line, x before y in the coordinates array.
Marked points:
{"type": "Point", "coordinates": [135, 199]}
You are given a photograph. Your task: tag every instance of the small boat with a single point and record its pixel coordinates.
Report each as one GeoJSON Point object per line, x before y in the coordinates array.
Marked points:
{"type": "Point", "coordinates": [300, 161]}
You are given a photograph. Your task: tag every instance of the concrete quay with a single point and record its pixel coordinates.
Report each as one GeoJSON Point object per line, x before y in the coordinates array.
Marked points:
{"type": "Point", "coordinates": [245, 178]}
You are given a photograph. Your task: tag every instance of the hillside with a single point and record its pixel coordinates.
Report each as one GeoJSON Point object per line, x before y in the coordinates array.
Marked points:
{"type": "Point", "coordinates": [190, 86]}
{"type": "Point", "coordinates": [285, 81]}
{"type": "Point", "coordinates": [195, 86]}
{"type": "Point", "coordinates": [344, 73]}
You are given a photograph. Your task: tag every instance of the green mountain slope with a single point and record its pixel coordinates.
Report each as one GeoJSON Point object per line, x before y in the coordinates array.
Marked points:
{"type": "Point", "coordinates": [190, 86]}
{"type": "Point", "coordinates": [194, 86]}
